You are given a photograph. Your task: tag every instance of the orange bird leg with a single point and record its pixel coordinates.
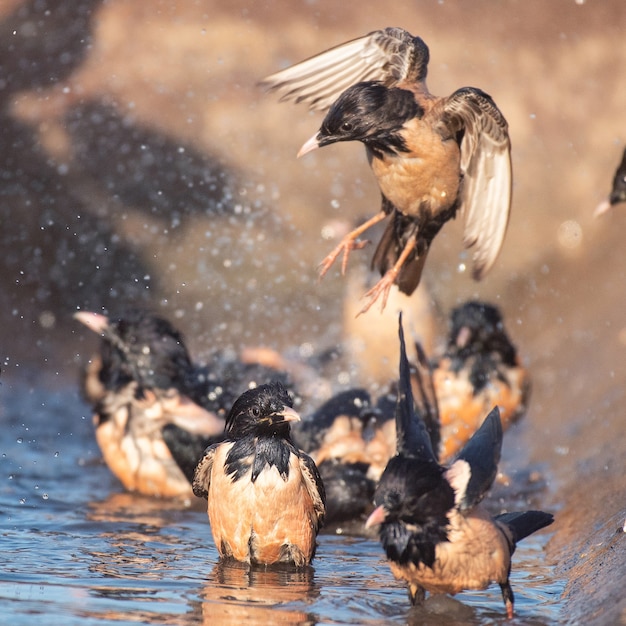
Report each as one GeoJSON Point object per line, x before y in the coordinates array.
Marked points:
{"type": "Point", "coordinates": [383, 286]}
{"type": "Point", "coordinates": [349, 243]}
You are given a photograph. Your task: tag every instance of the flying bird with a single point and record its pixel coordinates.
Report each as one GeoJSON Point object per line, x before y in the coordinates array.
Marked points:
{"type": "Point", "coordinates": [436, 535]}
{"type": "Point", "coordinates": [432, 156]}
{"type": "Point", "coordinates": [618, 191]}
{"type": "Point", "coordinates": [138, 385]}
{"type": "Point", "coordinates": [266, 500]}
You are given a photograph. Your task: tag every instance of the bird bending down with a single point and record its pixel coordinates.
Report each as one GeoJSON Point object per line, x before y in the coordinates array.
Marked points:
{"type": "Point", "coordinates": [435, 533]}
{"type": "Point", "coordinates": [266, 500]}
{"type": "Point", "coordinates": [138, 387]}
{"type": "Point", "coordinates": [432, 156]}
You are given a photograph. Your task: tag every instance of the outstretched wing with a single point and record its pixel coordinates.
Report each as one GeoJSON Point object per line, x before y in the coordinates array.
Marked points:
{"type": "Point", "coordinates": [389, 56]}
{"type": "Point", "coordinates": [475, 469]}
{"type": "Point", "coordinates": [487, 174]}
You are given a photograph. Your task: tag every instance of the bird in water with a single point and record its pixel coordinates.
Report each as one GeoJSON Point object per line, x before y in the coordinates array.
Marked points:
{"type": "Point", "coordinates": [266, 500]}
{"type": "Point", "coordinates": [138, 385]}
{"type": "Point", "coordinates": [478, 370]}
{"type": "Point", "coordinates": [618, 191]}
{"type": "Point", "coordinates": [435, 533]}
{"type": "Point", "coordinates": [432, 156]}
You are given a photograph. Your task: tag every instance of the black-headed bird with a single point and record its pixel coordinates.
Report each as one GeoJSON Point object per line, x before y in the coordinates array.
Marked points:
{"type": "Point", "coordinates": [435, 533]}
{"type": "Point", "coordinates": [618, 189]}
{"type": "Point", "coordinates": [479, 369]}
{"type": "Point", "coordinates": [266, 500]}
{"type": "Point", "coordinates": [139, 390]}
{"type": "Point", "coordinates": [432, 156]}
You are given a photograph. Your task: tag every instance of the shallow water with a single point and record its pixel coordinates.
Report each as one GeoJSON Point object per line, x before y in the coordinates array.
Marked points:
{"type": "Point", "coordinates": [79, 550]}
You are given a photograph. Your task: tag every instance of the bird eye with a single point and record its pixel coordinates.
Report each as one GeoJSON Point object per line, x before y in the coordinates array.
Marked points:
{"type": "Point", "coordinates": [346, 126]}
{"type": "Point", "coordinates": [256, 411]}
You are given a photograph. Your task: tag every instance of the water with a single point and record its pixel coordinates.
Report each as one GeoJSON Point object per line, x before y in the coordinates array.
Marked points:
{"type": "Point", "coordinates": [78, 550]}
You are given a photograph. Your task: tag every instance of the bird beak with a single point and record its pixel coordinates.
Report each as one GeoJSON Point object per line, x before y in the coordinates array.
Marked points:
{"type": "Point", "coordinates": [309, 146]}
{"type": "Point", "coordinates": [94, 321]}
{"type": "Point", "coordinates": [288, 415]}
{"type": "Point", "coordinates": [601, 209]}
{"type": "Point", "coordinates": [377, 516]}
{"type": "Point", "coordinates": [463, 337]}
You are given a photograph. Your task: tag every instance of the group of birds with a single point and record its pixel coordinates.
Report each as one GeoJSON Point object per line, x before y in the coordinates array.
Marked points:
{"type": "Point", "coordinates": [413, 463]}
{"type": "Point", "coordinates": [168, 426]}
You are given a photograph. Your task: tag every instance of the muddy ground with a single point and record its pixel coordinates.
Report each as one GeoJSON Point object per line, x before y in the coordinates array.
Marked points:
{"type": "Point", "coordinates": [141, 163]}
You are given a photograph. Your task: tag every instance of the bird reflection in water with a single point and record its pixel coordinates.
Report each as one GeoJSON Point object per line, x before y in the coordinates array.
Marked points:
{"type": "Point", "coordinates": [236, 593]}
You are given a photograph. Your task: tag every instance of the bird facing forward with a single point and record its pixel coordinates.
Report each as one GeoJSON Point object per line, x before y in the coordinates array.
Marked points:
{"type": "Point", "coordinates": [435, 533]}
{"type": "Point", "coordinates": [479, 369]}
{"type": "Point", "coordinates": [432, 156]}
{"type": "Point", "coordinates": [138, 387]}
{"type": "Point", "coordinates": [266, 500]}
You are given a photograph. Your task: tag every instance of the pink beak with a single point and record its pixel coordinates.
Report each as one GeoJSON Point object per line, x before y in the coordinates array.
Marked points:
{"type": "Point", "coordinates": [309, 146]}
{"type": "Point", "coordinates": [601, 209]}
{"type": "Point", "coordinates": [377, 516]}
{"type": "Point", "coordinates": [289, 415]}
{"type": "Point", "coordinates": [94, 321]}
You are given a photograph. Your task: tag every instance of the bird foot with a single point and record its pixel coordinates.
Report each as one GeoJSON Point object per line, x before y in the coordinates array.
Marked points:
{"type": "Point", "coordinates": [381, 288]}
{"type": "Point", "coordinates": [346, 245]}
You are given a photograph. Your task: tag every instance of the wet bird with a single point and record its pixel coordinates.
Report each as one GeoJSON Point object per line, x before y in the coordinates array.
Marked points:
{"type": "Point", "coordinates": [266, 500]}
{"type": "Point", "coordinates": [142, 399]}
{"type": "Point", "coordinates": [336, 437]}
{"type": "Point", "coordinates": [432, 527]}
{"type": "Point", "coordinates": [479, 369]}
{"type": "Point", "coordinates": [618, 192]}
{"type": "Point", "coordinates": [432, 156]}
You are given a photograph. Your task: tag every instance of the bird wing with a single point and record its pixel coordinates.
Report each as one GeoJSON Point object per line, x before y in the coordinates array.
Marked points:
{"type": "Point", "coordinates": [487, 174]}
{"type": "Point", "coordinates": [387, 56]}
{"type": "Point", "coordinates": [475, 468]}
{"type": "Point", "coordinates": [413, 439]}
{"type": "Point", "coordinates": [314, 486]}
{"type": "Point", "coordinates": [202, 476]}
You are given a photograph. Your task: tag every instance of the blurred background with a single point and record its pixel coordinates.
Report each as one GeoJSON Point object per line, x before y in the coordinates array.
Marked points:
{"type": "Point", "coordinates": [141, 163]}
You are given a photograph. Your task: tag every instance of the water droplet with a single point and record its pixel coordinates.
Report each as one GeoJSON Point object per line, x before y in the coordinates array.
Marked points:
{"type": "Point", "coordinates": [45, 496]}
{"type": "Point", "coordinates": [20, 440]}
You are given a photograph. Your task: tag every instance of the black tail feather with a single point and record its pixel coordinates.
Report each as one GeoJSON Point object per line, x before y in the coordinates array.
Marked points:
{"type": "Point", "coordinates": [525, 523]}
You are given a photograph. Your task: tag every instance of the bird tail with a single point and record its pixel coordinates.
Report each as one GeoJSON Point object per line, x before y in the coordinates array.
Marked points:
{"type": "Point", "coordinates": [389, 248]}
{"type": "Point", "coordinates": [525, 523]}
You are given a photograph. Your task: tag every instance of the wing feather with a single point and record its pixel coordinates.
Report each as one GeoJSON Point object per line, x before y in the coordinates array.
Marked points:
{"type": "Point", "coordinates": [487, 174]}
{"type": "Point", "coordinates": [202, 476]}
{"type": "Point", "coordinates": [386, 55]}
{"type": "Point", "coordinates": [314, 486]}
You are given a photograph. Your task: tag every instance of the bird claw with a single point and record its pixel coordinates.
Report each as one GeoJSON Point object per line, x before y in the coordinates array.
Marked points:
{"type": "Point", "coordinates": [346, 245]}
{"type": "Point", "coordinates": [381, 288]}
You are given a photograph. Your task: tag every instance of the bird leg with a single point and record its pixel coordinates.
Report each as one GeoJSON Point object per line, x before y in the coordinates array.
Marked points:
{"type": "Point", "coordinates": [417, 594]}
{"type": "Point", "coordinates": [507, 596]}
{"type": "Point", "coordinates": [349, 243]}
{"type": "Point", "coordinates": [383, 286]}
